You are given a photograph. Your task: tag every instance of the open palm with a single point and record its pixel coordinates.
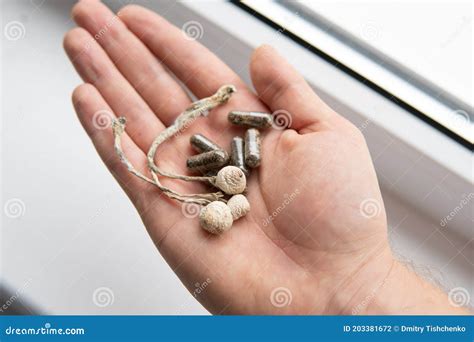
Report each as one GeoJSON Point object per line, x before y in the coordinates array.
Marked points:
{"type": "Point", "coordinates": [316, 231]}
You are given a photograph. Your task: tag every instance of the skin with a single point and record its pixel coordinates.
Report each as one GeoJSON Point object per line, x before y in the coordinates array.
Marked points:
{"type": "Point", "coordinates": [313, 179]}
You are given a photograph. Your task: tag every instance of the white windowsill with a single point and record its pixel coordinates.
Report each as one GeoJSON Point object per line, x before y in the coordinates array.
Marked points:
{"type": "Point", "coordinates": [439, 160]}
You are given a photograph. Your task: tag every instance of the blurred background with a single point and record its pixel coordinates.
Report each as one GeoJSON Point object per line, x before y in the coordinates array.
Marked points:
{"type": "Point", "coordinates": [72, 243]}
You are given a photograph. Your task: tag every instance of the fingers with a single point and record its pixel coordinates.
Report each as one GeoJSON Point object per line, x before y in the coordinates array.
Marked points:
{"type": "Point", "coordinates": [96, 116]}
{"type": "Point", "coordinates": [281, 87]}
{"type": "Point", "coordinates": [150, 79]}
{"type": "Point", "coordinates": [95, 67]}
{"type": "Point", "coordinates": [201, 71]}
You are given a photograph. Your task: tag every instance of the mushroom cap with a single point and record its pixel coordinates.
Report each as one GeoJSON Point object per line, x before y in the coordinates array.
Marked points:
{"type": "Point", "coordinates": [231, 180]}
{"type": "Point", "coordinates": [216, 217]}
{"type": "Point", "coordinates": [239, 206]}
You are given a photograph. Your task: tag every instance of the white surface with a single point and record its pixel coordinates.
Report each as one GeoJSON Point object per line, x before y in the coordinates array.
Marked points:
{"type": "Point", "coordinates": [429, 37]}
{"type": "Point", "coordinates": [456, 119]}
{"type": "Point", "coordinates": [79, 232]}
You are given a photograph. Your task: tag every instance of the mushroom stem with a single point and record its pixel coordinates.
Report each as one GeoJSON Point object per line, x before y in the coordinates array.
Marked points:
{"type": "Point", "coordinates": [185, 119]}
{"type": "Point", "coordinates": [118, 127]}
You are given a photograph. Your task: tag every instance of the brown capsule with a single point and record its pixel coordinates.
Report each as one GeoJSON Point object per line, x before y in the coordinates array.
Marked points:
{"type": "Point", "coordinates": [250, 119]}
{"type": "Point", "coordinates": [207, 161]}
{"type": "Point", "coordinates": [237, 154]}
{"type": "Point", "coordinates": [202, 144]}
{"type": "Point", "coordinates": [210, 173]}
{"type": "Point", "coordinates": [252, 148]}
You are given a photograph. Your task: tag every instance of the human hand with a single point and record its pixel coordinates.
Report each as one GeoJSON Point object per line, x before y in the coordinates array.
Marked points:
{"type": "Point", "coordinates": [307, 236]}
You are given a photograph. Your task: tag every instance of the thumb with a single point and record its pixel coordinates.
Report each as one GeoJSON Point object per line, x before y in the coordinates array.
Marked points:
{"type": "Point", "coordinates": [284, 90]}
